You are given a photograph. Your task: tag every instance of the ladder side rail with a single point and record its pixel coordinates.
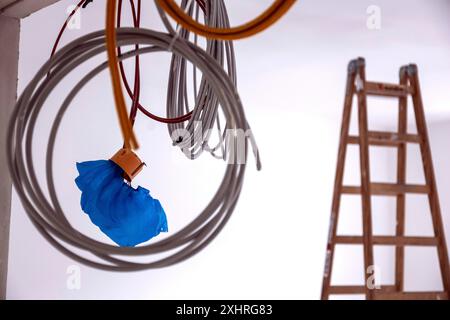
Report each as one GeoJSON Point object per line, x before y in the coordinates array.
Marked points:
{"type": "Point", "coordinates": [365, 183]}
{"type": "Point", "coordinates": [345, 127]}
{"type": "Point", "coordinates": [401, 179]}
{"type": "Point", "coordinates": [430, 177]}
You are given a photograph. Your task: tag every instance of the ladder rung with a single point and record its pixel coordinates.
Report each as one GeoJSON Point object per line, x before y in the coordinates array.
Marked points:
{"type": "Point", "coordinates": [386, 89]}
{"type": "Point", "coordinates": [389, 293]}
{"type": "Point", "coordinates": [357, 289]}
{"type": "Point", "coordinates": [389, 240]}
{"type": "Point", "coordinates": [436, 295]}
{"type": "Point", "coordinates": [388, 189]}
{"type": "Point", "coordinates": [390, 139]}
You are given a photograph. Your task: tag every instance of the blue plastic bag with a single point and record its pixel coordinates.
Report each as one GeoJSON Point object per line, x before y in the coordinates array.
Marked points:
{"type": "Point", "coordinates": [126, 215]}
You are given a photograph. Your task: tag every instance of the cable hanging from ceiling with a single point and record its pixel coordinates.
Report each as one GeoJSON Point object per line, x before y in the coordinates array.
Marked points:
{"type": "Point", "coordinates": [215, 96]}
{"type": "Point", "coordinates": [46, 212]}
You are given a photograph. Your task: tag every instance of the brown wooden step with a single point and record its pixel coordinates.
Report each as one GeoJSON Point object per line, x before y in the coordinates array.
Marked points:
{"type": "Point", "coordinates": [387, 89]}
{"type": "Point", "coordinates": [388, 293]}
{"type": "Point", "coordinates": [341, 289]}
{"type": "Point", "coordinates": [389, 240]}
{"type": "Point", "coordinates": [386, 139]}
{"type": "Point", "coordinates": [432, 295]}
{"type": "Point", "coordinates": [388, 189]}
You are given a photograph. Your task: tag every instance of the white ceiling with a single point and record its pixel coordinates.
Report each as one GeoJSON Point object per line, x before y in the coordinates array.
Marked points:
{"type": "Point", "coordinates": [308, 50]}
{"type": "Point", "coordinates": [4, 3]}
{"type": "Point", "coordinates": [23, 8]}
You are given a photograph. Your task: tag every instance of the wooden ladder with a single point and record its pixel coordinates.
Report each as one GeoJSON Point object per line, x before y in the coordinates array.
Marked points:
{"type": "Point", "coordinates": [409, 85]}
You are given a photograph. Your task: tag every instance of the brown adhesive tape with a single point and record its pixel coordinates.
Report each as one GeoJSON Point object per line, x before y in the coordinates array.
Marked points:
{"type": "Point", "coordinates": [129, 162]}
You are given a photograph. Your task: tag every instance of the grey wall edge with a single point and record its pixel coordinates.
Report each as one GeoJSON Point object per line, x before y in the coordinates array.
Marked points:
{"type": "Point", "coordinates": [9, 34]}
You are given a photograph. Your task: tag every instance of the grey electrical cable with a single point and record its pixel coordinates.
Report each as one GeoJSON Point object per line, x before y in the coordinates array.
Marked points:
{"type": "Point", "coordinates": [46, 212]}
{"type": "Point", "coordinates": [206, 111]}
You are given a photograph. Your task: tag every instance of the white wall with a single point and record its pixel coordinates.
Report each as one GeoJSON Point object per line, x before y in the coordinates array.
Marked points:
{"type": "Point", "coordinates": [291, 80]}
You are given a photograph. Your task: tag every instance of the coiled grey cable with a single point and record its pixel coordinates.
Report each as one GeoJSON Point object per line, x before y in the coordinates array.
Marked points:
{"type": "Point", "coordinates": [206, 110]}
{"type": "Point", "coordinates": [46, 212]}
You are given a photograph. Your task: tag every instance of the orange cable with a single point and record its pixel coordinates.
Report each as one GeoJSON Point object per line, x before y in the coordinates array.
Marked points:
{"type": "Point", "coordinates": [130, 141]}
{"type": "Point", "coordinates": [260, 23]}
